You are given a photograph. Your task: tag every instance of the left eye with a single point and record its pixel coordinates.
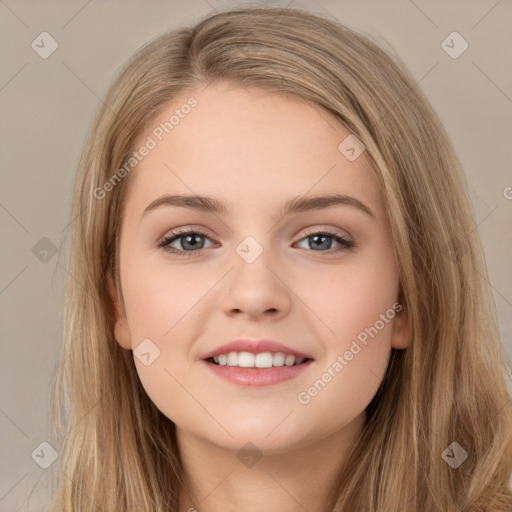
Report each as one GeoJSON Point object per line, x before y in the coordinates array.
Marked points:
{"type": "Point", "coordinates": [322, 239]}
{"type": "Point", "coordinates": [191, 242]}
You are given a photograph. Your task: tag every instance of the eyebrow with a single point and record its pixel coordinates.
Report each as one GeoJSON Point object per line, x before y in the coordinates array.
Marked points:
{"type": "Point", "coordinates": [297, 204]}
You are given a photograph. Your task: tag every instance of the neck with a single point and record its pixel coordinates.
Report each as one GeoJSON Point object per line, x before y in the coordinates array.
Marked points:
{"type": "Point", "coordinates": [301, 478]}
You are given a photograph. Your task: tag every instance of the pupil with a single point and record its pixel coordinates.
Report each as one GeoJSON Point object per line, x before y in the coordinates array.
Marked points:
{"type": "Point", "coordinates": [316, 237]}
{"type": "Point", "coordinates": [192, 240]}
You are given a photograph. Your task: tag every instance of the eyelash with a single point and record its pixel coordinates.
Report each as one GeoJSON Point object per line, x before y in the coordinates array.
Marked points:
{"type": "Point", "coordinates": [164, 244]}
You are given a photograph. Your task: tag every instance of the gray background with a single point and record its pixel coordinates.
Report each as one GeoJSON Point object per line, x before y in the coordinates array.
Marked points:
{"type": "Point", "coordinates": [48, 104]}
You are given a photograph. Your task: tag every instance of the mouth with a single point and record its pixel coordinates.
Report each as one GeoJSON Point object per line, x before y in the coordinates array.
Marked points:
{"type": "Point", "coordinates": [264, 362]}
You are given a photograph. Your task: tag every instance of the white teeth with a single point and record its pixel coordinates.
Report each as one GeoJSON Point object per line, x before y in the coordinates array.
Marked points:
{"type": "Point", "coordinates": [232, 359]}
{"type": "Point", "coordinates": [261, 360]}
{"type": "Point", "coordinates": [246, 359]}
{"type": "Point", "coordinates": [289, 360]}
{"type": "Point", "coordinates": [278, 359]}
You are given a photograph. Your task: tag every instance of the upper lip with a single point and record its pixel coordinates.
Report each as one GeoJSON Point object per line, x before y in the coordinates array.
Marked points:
{"type": "Point", "coordinates": [254, 346]}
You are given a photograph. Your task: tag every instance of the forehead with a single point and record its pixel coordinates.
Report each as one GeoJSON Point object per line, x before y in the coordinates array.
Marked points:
{"type": "Point", "coordinates": [249, 144]}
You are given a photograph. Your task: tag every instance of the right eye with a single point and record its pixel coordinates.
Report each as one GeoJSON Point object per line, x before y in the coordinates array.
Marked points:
{"type": "Point", "coordinates": [190, 239]}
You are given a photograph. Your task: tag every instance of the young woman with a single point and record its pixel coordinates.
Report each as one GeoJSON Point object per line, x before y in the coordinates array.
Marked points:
{"type": "Point", "coordinates": [277, 296]}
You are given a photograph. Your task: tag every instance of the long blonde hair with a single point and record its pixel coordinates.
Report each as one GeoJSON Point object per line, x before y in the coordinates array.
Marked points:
{"type": "Point", "coordinates": [118, 452]}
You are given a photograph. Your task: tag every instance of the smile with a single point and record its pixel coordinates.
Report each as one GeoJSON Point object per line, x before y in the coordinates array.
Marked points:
{"type": "Point", "coordinates": [258, 360]}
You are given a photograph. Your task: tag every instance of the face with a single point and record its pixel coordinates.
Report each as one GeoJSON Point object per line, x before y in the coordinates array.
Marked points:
{"type": "Point", "coordinates": [321, 281]}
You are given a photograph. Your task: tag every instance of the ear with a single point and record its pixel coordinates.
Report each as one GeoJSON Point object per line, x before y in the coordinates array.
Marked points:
{"type": "Point", "coordinates": [401, 336]}
{"type": "Point", "coordinates": [121, 329]}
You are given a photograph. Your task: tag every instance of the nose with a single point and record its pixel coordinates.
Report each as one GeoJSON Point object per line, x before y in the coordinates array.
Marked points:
{"type": "Point", "coordinates": [256, 290]}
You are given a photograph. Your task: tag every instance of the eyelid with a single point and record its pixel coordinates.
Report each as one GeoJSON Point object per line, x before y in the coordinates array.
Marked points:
{"type": "Point", "coordinates": [330, 231]}
{"type": "Point", "coordinates": [183, 231]}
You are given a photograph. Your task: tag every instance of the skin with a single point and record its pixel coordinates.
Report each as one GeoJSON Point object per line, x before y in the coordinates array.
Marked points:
{"type": "Point", "coordinates": [253, 150]}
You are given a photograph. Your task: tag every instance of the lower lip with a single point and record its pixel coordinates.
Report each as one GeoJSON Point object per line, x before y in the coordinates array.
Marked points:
{"type": "Point", "coordinates": [257, 376]}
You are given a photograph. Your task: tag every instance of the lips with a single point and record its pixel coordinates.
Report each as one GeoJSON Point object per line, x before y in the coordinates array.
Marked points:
{"type": "Point", "coordinates": [255, 347]}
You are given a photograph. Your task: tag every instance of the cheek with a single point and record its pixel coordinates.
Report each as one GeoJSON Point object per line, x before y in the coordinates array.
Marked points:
{"type": "Point", "coordinates": [160, 297]}
{"type": "Point", "coordinates": [342, 389]}
{"type": "Point", "coordinates": [162, 304]}
{"type": "Point", "coordinates": [349, 297]}
{"type": "Point", "coordinates": [359, 306]}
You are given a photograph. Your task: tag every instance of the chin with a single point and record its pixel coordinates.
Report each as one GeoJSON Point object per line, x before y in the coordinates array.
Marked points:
{"type": "Point", "coordinates": [268, 439]}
